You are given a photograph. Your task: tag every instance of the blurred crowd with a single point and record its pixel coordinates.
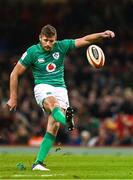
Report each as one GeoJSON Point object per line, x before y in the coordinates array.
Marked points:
{"type": "Point", "coordinates": [102, 98]}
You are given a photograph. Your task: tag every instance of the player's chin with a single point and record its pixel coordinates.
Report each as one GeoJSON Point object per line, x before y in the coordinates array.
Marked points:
{"type": "Point", "coordinates": [47, 48]}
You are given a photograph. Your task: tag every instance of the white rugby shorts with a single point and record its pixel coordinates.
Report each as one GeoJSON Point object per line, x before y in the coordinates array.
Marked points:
{"type": "Point", "coordinates": [42, 91]}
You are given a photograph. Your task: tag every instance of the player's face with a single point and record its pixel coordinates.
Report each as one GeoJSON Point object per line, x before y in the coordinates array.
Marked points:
{"type": "Point", "coordinates": [47, 42]}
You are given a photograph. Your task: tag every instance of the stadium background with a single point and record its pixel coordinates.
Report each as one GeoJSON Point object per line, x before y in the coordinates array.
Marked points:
{"type": "Point", "coordinates": [103, 99]}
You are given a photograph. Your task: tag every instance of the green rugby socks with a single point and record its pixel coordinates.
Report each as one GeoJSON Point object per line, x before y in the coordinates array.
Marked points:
{"type": "Point", "coordinates": [58, 115]}
{"type": "Point", "coordinates": [45, 146]}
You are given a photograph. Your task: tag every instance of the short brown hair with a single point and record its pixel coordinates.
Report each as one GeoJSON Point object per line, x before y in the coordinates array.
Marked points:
{"type": "Point", "coordinates": [48, 31]}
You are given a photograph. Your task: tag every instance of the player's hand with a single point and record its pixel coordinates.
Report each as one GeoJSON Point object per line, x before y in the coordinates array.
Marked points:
{"type": "Point", "coordinates": [12, 104]}
{"type": "Point", "coordinates": [108, 34]}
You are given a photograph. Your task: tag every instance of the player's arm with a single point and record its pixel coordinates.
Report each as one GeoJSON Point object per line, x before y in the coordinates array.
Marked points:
{"type": "Point", "coordinates": [17, 71]}
{"type": "Point", "coordinates": [92, 38]}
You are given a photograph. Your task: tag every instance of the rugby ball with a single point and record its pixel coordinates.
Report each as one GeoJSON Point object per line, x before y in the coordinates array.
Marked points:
{"type": "Point", "coordinates": [95, 56]}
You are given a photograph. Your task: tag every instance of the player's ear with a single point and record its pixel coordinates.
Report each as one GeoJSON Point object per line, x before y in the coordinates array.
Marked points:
{"type": "Point", "coordinates": [40, 38]}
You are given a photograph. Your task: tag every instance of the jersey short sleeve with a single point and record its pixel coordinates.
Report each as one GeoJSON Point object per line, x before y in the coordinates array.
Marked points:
{"type": "Point", "coordinates": [67, 44]}
{"type": "Point", "coordinates": [27, 58]}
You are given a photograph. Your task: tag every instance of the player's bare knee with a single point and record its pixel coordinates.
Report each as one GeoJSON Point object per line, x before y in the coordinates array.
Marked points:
{"type": "Point", "coordinates": [50, 103]}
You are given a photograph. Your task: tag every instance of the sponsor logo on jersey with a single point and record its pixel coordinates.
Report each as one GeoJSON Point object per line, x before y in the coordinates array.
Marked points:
{"type": "Point", "coordinates": [41, 60]}
{"type": "Point", "coordinates": [56, 55]}
{"type": "Point", "coordinates": [51, 67]}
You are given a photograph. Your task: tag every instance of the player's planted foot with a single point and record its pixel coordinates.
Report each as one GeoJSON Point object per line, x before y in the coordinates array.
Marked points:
{"type": "Point", "coordinates": [40, 166]}
{"type": "Point", "coordinates": [69, 118]}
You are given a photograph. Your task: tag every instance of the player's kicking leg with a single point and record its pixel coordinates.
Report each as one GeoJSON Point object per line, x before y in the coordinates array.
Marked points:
{"type": "Point", "coordinates": [51, 104]}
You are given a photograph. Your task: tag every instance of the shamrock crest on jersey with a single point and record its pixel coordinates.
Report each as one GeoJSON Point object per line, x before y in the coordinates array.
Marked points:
{"type": "Point", "coordinates": [50, 67]}
{"type": "Point", "coordinates": [56, 55]}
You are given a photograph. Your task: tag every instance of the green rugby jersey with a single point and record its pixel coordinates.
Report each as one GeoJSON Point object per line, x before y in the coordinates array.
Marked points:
{"type": "Point", "coordinates": [48, 66]}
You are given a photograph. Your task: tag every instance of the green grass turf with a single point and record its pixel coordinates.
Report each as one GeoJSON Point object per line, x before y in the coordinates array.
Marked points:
{"type": "Point", "coordinates": [69, 167]}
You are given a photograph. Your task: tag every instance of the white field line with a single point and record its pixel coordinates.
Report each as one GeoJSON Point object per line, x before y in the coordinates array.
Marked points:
{"type": "Point", "coordinates": [42, 175]}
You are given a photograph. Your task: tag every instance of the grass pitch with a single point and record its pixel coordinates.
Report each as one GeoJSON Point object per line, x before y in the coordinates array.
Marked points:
{"type": "Point", "coordinates": [68, 166]}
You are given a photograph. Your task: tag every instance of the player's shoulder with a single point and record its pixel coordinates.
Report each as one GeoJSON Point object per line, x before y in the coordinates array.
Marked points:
{"type": "Point", "coordinates": [66, 44]}
{"type": "Point", "coordinates": [63, 42]}
{"type": "Point", "coordinates": [66, 41]}
{"type": "Point", "coordinates": [33, 48]}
